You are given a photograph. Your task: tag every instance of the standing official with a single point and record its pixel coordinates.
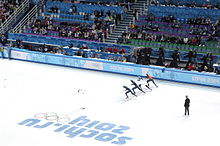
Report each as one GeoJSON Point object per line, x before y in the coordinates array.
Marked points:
{"type": "Point", "coordinates": [186, 105]}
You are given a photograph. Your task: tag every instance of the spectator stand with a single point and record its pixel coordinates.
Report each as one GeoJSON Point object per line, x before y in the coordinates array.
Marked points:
{"type": "Point", "coordinates": [157, 29]}
{"type": "Point", "coordinates": [93, 48]}
{"type": "Point", "coordinates": [88, 17]}
{"type": "Point", "coordinates": [190, 3]}
{"type": "Point", "coordinates": [11, 12]}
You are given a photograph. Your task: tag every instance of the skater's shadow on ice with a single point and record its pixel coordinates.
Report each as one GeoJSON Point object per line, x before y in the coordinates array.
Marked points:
{"type": "Point", "coordinates": [124, 100]}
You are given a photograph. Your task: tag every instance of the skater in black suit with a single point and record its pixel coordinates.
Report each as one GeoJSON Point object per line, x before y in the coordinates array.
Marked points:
{"type": "Point", "coordinates": [136, 86]}
{"type": "Point", "coordinates": [128, 90]}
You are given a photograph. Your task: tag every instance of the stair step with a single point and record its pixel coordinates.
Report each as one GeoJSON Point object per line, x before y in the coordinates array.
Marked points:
{"type": "Point", "coordinates": [112, 41]}
{"type": "Point", "coordinates": [114, 36]}
{"type": "Point", "coordinates": [118, 30]}
{"type": "Point", "coordinates": [109, 41]}
{"type": "Point", "coordinates": [115, 33]}
{"type": "Point", "coordinates": [124, 23]}
{"type": "Point", "coordinates": [138, 7]}
{"type": "Point", "coordinates": [130, 16]}
{"type": "Point", "coordinates": [127, 20]}
{"type": "Point", "coordinates": [110, 38]}
{"type": "Point", "coordinates": [122, 26]}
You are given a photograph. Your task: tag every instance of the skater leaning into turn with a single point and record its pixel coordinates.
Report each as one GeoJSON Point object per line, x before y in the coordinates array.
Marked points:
{"type": "Point", "coordinates": [186, 105]}
{"type": "Point", "coordinates": [128, 90]}
{"type": "Point", "coordinates": [150, 79]}
{"type": "Point", "coordinates": [140, 81]}
{"type": "Point", "coordinates": [136, 86]}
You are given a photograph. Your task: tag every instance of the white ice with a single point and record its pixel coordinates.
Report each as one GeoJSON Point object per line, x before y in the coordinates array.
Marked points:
{"type": "Point", "coordinates": [155, 118]}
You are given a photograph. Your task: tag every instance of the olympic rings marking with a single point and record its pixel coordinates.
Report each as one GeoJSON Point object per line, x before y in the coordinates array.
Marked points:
{"type": "Point", "coordinates": [51, 116]}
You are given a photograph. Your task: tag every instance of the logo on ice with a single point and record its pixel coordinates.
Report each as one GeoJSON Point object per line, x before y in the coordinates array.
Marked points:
{"type": "Point", "coordinates": [84, 127]}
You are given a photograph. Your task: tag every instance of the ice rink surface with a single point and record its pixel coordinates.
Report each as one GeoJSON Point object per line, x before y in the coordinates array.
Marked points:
{"type": "Point", "coordinates": [55, 97]}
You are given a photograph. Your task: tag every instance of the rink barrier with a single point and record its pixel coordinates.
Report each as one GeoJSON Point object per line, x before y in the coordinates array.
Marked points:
{"type": "Point", "coordinates": [191, 77]}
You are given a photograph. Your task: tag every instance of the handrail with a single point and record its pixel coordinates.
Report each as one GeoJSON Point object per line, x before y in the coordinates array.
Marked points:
{"type": "Point", "coordinates": [12, 19]}
{"type": "Point", "coordinates": [31, 14]}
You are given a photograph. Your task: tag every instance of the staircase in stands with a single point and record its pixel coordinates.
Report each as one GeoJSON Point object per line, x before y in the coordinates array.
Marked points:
{"type": "Point", "coordinates": [140, 6]}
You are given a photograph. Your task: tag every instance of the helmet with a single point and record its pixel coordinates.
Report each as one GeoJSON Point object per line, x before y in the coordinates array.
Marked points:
{"type": "Point", "coordinates": [140, 78]}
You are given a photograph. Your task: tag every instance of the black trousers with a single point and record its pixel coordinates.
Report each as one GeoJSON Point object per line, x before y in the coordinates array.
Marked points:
{"type": "Point", "coordinates": [186, 110]}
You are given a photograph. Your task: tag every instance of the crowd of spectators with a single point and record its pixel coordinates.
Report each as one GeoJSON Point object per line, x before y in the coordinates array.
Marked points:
{"type": "Point", "coordinates": [96, 32]}
{"type": "Point", "coordinates": [102, 25]}
{"type": "Point", "coordinates": [7, 7]}
{"type": "Point", "coordinates": [199, 32]}
{"type": "Point", "coordinates": [103, 3]}
{"type": "Point", "coordinates": [99, 31]}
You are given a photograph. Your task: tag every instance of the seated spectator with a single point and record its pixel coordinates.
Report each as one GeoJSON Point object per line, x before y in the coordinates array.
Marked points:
{"type": "Point", "coordinates": [119, 58]}
{"type": "Point", "coordinates": [185, 40]}
{"type": "Point", "coordinates": [54, 9]}
{"type": "Point", "coordinates": [84, 54]}
{"type": "Point", "coordinates": [121, 51]}
{"type": "Point", "coordinates": [124, 59]}
{"type": "Point", "coordinates": [132, 26]}
{"type": "Point", "coordinates": [78, 53]}
{"type": "Point", "coordinates": [115, 50]}
{"type": "Point", "coordinates": [71, 45]}
{"type": "Point", "coordinates": [3, 39]}
{"type": "Point", "coordinates": [108, 50]}
{"type": "Point", "coordinates": [92, 55]}
{"type": "Point", "coordinates": [110, 57]}
{"type": "Point", "coordinates": [84, 46]}
{"type": "Point", "coordinates": [190, 66]}
{"type": "Point", "coordinates": [18, 43]}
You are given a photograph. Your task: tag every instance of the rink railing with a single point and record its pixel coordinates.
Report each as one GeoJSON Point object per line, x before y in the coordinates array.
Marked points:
{"type": "Point", "coordinates": [191, 77]}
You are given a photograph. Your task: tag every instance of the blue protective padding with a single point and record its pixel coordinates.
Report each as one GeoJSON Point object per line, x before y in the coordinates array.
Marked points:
{"type": "Point", "coordinates": [170, 74]}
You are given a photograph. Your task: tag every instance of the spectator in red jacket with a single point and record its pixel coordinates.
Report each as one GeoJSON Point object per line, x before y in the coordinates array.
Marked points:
{"type": "Point", "coordinates": [121, 51]}
{"type": "Point", "coordinates": [115, 50]}
{"type": "Point", "coordinates": [108, 49]}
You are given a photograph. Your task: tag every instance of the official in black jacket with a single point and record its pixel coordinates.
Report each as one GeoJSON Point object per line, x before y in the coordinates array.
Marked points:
{"type": "Point", "coordinates": [186, 105]}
